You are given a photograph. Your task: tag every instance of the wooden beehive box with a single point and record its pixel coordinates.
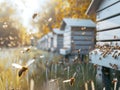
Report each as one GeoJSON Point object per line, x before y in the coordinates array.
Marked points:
{"type": "Point", "coordinates": [43, 43]}
{"type": "Point", "coordinates": [57, 39]}
{"type": "Point", "coordinates": [78, 34]}
{"type": "Point", "coordinates": [40, 43]}
{"type": "Point", "coordinates": [108, 33]}
{"type": "Point", "coordinates": [50, 40]}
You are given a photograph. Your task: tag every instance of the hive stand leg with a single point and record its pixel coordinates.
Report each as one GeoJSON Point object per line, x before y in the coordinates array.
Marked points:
{"type": "Point", "coordinates": [99, 83]}
{"type": "Point", "coordinates": [118, 81]}
{"type": "Point", "coordinates": [106, 78]}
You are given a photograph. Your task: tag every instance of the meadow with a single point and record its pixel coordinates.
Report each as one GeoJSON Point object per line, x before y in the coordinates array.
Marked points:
{"type": "Point", "coordinates": [45, 73]}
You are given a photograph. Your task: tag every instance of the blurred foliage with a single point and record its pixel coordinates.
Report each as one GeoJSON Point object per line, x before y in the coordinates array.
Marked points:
{"type": "Point", "coordinates": [12, 32]}
{"type": "Point", "coordinates": [50, 17]}
{"type": "Point", "coordinates": [56, 10]}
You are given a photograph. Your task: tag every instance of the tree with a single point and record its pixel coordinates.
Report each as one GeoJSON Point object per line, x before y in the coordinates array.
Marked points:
{"type": "Point", "coordinates": [59, 9]}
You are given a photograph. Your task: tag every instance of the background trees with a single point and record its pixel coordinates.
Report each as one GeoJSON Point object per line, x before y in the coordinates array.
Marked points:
{"type": "Point", "coordinates": [56, 10]}
{"type": "Point", "coordinates": [14, 33]}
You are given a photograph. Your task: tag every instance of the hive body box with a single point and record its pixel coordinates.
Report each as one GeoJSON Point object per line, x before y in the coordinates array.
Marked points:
{"type": "Point", "coordinates": [78, 34]}
{"type": "Point", "coordinates": [43, 43]}
{"type": "Point", "coordinates": [108, 29]}
{"type": "Point", "coordinates": [50, 40]}
{"type": "Point", "coordinates": [57, 39]}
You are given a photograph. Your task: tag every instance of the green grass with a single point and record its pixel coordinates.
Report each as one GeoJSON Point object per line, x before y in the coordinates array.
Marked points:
{"type": "Point", "coordinates": [37, 71]}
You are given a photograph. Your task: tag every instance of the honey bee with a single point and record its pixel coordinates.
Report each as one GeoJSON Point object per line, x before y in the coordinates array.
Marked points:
{"type": "Point", "coordinates": [53, 80]}
{"type": "Point", "coordinates": [115, 66]}
{"type": "Point", "coordinates": [104, 54]}
{"type": "Point", "coordinates": [71, 80]}
{"type": "Point", "coordinates": [34, 15]}
{"type": "Point", "coordinates": [22, 69]}
{"type": "Point", "coordinates": [26, 50]}
{"type": "Point", "coordinates": [65, 69]}
{"type": "Point", "coordinates": [119, 54]}
{"type": "Point", "coordinates": [95, 65]}
{"type": "Point", "coordinates": [114, 53]}
{"type": "Point", "coordinates": [114, 80]}
{"type": "Point", "coordinates": [110, 50]}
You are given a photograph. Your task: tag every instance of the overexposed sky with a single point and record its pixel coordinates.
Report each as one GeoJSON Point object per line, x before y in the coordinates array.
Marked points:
{"type": "Point", "coordinates": [25, 9]}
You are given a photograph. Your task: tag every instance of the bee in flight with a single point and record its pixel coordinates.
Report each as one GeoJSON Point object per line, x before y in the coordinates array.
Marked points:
{"type": "Point", "coordinates": [34, 15]}
{"type": "Point", "coordinates": [26, 50]}
{"type": "Point", "coordinates": [42, 56]}
{"type": "Point", "coordinates": [71, 80]}
{"type": "Point", "coordinates": [22, 69]}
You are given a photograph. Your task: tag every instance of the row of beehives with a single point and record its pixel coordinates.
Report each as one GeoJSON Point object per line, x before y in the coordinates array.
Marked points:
{"type": "Point", "coordinates": [73, 34]}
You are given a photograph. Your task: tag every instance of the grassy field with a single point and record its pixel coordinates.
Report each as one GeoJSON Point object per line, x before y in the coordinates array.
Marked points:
{"type": "Point", "coordinates": [46, 73]}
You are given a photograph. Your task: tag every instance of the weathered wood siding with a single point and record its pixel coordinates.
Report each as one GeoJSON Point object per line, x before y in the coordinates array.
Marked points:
{"type": "Point", "coordinates": [108, 17]}
{"type": "Point", "coordinates": [76, 38]}
{"type": "Point", "coordinates": [83, 39]}
{"type": "Point", "coordinates": [113, 34]}
{"type": "Point", "coordinates": [111, 23]}
{"type": "Point", "coordinates": [67, 39]}
{"type": "Point", "coordinates": [55, 41]}
{"type": "Point", "coordinates": [50, 41]}
{"type": "Point", "coordinates": [59, 42]}
{"type": "Point", "coordinates": [108, 32]}
{"type": "Point", "coordinates": [107, 3]}
{"type": "Point", "coordinates": [106, 13]}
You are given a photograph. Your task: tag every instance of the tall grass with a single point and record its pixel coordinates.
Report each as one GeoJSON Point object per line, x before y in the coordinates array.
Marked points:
{"type": "Point", "coordinates": [9, 76]}
{"type": "Point", "coordinates": [35, 77]}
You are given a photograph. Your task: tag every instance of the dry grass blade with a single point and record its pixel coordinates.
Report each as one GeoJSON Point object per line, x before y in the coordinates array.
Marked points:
{"type": "Point", "coordinates": [31, 84]}
{"type": "Point", "coordinates": [92, 85]}
{"type": "Point", "coordinates": [86, 86]}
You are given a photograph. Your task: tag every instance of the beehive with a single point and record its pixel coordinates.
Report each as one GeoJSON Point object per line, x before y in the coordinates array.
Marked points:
{"type": "Point", "coordinates": [78, 34]}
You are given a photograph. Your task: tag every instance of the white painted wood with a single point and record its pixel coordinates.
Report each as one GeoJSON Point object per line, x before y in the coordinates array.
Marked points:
{"type": "Point", "coordinates": [83, 32]}
{"type": "Point", "coordinates": [82, 37]}
{"type": "Point", "coordinates": [50, 42]}
{"type": "Point", "coordinates": [67, 28]}
{"type": "Point", "coordinates": [67, 33]}
{"type": "Point", "coordinates": [108, 35]}
{"type": "Point", "coordinates": [67, 37]}
{"type": "Point", "coordinates": [65, 43]}
{"type": "Point", "coordinates": [83, 42]}
{"type": "Point", "coordinates": [65, 51]}
{"type": "Point", "coordinates": [104, 61]}
{"type": "Point", "coordinates": [109, 23]}
{"type": "Point", "coordinates": [113, 43]}
{"type": "Point", "coordinates": [106, 3]}
{"type": "Point", "coordinates": [59, 42]}
{"type": "Point", "coordinates": [112, 10]}
{"type": "Point", "coordinates": [82, 47]}
{"type": "Point", "coordinates": [55, 40]}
